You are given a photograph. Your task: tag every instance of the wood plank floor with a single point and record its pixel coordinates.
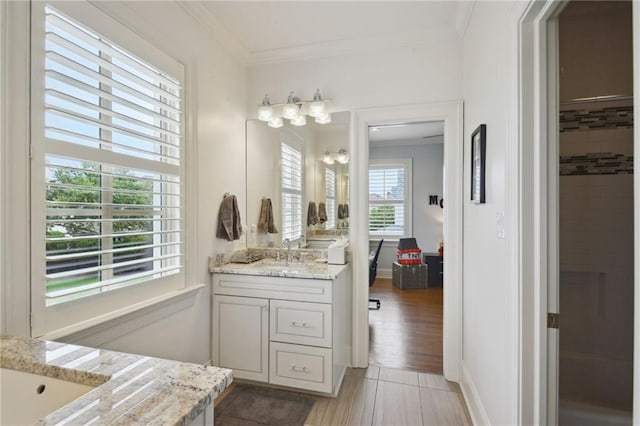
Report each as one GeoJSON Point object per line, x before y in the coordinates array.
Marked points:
{"type": "Point", "coordinates": [406, 333]}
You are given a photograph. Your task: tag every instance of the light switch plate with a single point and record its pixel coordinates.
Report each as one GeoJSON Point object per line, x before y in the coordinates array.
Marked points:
{"type": "Point", "coordinates": [500, 224]}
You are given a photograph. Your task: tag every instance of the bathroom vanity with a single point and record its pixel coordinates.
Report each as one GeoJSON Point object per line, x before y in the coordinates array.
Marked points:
{"type": "Point", "coordinates": [286, 325]}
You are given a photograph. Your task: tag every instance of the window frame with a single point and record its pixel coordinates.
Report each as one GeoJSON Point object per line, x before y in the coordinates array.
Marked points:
{"type": "Point", "coordinates": [331, 211]}
{"type": "Point", "coordinates": [298, 146]}
{"type": "Point", "coordinates": [85, 311]}
{"type": "Point", "coordinates": [406, 164]}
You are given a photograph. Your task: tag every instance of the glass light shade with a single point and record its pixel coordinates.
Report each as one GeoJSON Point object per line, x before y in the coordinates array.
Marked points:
{"type": "Point", "coordinates": [316, 109]}
{"type": "Point", "coordinates": [299, 120]}
{"type": "Point", "coordinates": [265, 113]}
{"type": "Point", "coordinates": [275, 122]}
{"type": "Point", "coordinates": [327, 158]}
{"type": "Point", "coordinates": [343, 157]}
{"type": "Point", "coordinates": [324, 119]}
{"type": "Point", "coordinates": [290, 111]}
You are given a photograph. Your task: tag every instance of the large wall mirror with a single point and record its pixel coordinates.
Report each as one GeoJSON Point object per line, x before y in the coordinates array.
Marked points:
{"type": "Point", "coordinates": [293, 167]}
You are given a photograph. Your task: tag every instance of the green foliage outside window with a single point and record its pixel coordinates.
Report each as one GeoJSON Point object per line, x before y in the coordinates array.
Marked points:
{"type": "Point", "coordinates": [382, 216]}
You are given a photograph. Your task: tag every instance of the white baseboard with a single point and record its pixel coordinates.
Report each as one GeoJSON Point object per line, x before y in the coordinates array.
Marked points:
{"type": "Point", "coordinates": [472, 399]}
{"type": "Point", "coordinates": [384, 273]}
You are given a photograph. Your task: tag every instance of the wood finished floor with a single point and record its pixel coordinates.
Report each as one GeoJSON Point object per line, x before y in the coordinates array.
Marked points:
{"type": "Point", "coordinates": [406, 333]}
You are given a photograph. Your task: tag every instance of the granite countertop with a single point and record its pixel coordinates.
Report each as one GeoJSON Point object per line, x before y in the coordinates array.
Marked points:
{"type": "Point", "coordinates": [270, 268]}
{"type": "Point", "coordinates": [131, 389]}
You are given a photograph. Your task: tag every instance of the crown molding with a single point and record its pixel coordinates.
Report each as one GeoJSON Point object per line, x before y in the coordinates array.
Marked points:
{"type": "Point", "coordinates": [352, 46]}
{"type": "Point", "coordinates": [219, 33]}
{"type": "Point", "coordinates": [463, 16]}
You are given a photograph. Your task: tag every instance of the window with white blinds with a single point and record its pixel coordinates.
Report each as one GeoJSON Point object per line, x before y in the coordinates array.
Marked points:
{"type": "Point", "coordinates": [110, 147]}
{"type": "Point", "coordinates": [291, 184]}
{"type": "Point", "coordinates": [390, 198]}
{"type": "Point", "coordinates": [330, 196]}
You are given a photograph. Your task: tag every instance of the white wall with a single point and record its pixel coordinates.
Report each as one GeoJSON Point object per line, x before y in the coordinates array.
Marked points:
{"type": "Point", "coordinates": [415, 74]}
{"type": "Point", "coordinates": [215, 135]}
{"type": "Point", "coordinates": [489, 63]}
{"type": "Point", "coordinates": [427, 220]}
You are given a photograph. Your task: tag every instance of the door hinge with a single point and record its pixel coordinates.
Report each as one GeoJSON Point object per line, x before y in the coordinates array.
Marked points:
{"type": "Point", "coordinates": [553, 320]}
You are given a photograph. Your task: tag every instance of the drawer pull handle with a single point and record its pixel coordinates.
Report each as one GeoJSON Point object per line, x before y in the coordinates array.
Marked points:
{"type": "Point", "coordinates": [299, 324]}
{"type": "Point", "coordinates": [299, 369]}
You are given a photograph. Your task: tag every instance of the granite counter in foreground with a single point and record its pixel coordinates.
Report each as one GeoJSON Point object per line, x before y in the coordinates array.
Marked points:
{"type": "Point", "coordinates": [131, 389]}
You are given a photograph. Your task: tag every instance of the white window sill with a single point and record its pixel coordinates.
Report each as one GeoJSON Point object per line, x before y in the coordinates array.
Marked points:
{"type": "Point", "coordinates": [150, 305]}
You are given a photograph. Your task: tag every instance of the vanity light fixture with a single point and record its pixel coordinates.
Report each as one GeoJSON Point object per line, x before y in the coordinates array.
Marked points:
{"type": "Point", "coordinates": [290, 110]}
{"type": "Point", "coordinates": [275, 122]}
{"type": "Point", "coordinates": [327, 159]}
{"type": "Point", "coordinates": [295, 109]}
{"type": "Point", "coordinates": [343, 157]}
{"type": "Point", "coordinates": [265, 111]}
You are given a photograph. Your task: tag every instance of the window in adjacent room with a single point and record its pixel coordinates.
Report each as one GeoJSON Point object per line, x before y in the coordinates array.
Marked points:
{"type": "Point", "coordinates": [390, 198]}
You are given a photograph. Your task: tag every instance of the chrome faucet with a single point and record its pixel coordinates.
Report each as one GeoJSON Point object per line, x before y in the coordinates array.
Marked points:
{"type": "Point", "coordinates": [287, 242]}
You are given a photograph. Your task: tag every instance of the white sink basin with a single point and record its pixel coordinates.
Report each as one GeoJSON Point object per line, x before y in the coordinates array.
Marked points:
{"type": "Point", "coordinates": [27, 398]}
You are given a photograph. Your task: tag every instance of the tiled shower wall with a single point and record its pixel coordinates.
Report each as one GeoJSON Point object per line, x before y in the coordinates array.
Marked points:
{"type": "Point", "coordinates": [596, 258]}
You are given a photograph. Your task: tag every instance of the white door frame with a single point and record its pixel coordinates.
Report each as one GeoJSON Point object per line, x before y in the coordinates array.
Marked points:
{"type": "Point", "coordinates": [534, 106]}
{"type": "Point", "coordinates": [451, 114]}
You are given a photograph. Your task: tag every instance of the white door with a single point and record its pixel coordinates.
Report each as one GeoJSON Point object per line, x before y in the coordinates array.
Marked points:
{"type": "Point", "coordinates": [241, 336]}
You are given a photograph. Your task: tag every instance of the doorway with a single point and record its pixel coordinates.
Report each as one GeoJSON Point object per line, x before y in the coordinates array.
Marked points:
{"type": "Point", "coordinates": [540, 263]}
{"type": "Point", "coordinates": [406, 170]}
{"type": "Point", "coordinates": [451, 114]}
{"type": "Point", "coordinates": [593, 175]}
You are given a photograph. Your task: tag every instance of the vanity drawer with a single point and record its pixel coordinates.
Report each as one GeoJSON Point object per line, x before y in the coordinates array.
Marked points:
{"type": "Point", "coordinates": [300, 322]}
{"type": "Point", "coordinates": [297, 366]}
{"type": "Point", "coordinates": [302, 289]}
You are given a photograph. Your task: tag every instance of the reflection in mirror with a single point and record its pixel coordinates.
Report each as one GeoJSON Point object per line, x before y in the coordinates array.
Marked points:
{"type": "Point", "coordinates": [298, 168]}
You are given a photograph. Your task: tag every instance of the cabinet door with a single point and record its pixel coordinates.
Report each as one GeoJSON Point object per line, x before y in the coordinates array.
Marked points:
{"type": "Point", "coordinates": [241, 336]}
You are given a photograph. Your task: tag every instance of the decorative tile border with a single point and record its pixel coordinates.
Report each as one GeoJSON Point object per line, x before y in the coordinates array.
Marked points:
{"type": "Point", "coordinates": [597, 163]}
{"type": "Point", "coordinates": [601, 118]}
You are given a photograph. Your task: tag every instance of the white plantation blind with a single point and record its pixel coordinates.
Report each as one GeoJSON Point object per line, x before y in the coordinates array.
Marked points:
{"type": "Point", "coordinates": [112, 150]}
{"type": "Point", "coordinates": [330, 196]}
{"type": "Point", "coordinates": [291, 172]}
{"type": "Point", "coordinates": [389, 197]}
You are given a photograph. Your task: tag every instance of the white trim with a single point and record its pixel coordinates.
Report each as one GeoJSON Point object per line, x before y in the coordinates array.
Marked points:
{"type": "Point", "coordinates": [100, 330]}
{"type": "Point", "coordinates": [553, 213]}
{"type": "Point", "coordinates": [636, 225]}
{"type": "Point", "coordinates": [15, 227]}
{"type": "Point", "coordinates": [386, 273]}
{"type": "Point", "coordinates": [451, 113]}
{"type": "Point", "coordinates": [472, 398]}
{"type": "Point", "coordinates": [3, 157]}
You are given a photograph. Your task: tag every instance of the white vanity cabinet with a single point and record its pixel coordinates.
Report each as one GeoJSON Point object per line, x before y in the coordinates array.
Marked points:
{"type": "Point", "coordinates": [284, 331]}
{"type": "Point", "coordinates": [242, 331]}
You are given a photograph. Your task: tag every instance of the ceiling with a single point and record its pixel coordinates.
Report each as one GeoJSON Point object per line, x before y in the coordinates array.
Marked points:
{"type": "Point", "coordinates": [269, 31]}
{"type": "Point", "coordinates": [407, 134]}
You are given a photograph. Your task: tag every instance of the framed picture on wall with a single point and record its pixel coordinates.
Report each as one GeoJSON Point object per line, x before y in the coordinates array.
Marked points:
{"type": "Point", "coordinates": [478, 164]}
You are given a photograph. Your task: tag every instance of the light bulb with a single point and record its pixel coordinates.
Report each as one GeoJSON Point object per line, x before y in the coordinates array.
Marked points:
{"type": "Point", "coordinates": [327, 158]}
{"type": "Point", "coordinates": [299, 120]}
{"type": "Point", "coordinates": [275, 122]}
{"type": "Point", "coordinates": [324, 118]}
{"type": "Point", "coordinates": [316, 107]}
{"type": "Point", "coordinates": [290, 110]}
{"type": "Point", "coordinates": [343, 158]}
{"type": "Point", "coordinates": [265, 111]}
